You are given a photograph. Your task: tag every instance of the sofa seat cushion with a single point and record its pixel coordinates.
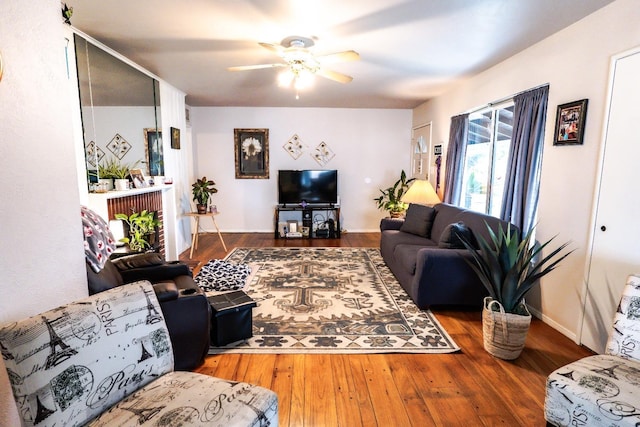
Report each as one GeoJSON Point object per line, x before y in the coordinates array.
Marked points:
{"type": "Point", "coordinates": [396, 237]}
{"type": "Point", "coordinates": [600, 390]}
{"type": "Point", "coordinates": [187, 398]}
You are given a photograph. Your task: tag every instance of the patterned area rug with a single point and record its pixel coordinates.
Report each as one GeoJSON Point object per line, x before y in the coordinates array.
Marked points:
{"type": "Point", "coordinates": [332, 300]}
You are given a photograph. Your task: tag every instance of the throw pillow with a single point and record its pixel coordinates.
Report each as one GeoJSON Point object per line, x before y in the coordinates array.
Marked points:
{"type": "Point", "coordinates": [453, 234]}
{"type": "Point", "coordinates": [418, 220]}
{"type": "Point", "coordinates": [98, 240]}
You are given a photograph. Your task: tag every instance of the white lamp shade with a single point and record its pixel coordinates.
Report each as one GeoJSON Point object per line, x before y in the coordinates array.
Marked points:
{"type": "Point", "coordinates": [421, 192]}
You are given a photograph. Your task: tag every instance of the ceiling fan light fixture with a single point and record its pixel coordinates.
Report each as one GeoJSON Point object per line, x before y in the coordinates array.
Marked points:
{"type": "Point", "coordinates": [285, 78]}
{"type": "Point", "coordinates": [303, 80]}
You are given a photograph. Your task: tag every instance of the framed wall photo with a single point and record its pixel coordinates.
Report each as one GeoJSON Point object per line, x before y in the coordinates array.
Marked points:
{"type": "Point", "coordinates": [153, 148]}
{"type": "Point", "coordinates": [251, 148]}
{"type": "Point", "coordinates": [175, 138]}
{"type": "Point", "coordinates": [570, 122]}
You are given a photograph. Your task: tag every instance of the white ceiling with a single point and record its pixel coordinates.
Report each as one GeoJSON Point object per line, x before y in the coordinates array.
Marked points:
{"type": "Point", "coordinates": [411, 50]}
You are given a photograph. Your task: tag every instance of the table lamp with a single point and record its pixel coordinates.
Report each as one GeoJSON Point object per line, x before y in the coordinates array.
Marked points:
{"type": "Point", "coordinates": [421, 192]}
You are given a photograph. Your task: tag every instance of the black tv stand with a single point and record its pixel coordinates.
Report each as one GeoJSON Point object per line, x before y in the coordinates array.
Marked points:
{"type": "Point", "coordinates": [312, 222]}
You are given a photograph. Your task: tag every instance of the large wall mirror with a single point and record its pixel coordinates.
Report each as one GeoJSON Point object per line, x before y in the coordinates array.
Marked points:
{"type": "Point", "coordinates": [120, 114]}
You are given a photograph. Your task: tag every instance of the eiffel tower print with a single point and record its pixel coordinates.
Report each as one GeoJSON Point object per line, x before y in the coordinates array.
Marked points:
{"type": "Point", "coordinates": [64, 352]}
{"type": "Point", "coordinates": [145, 354]}
{"type": "Point", "coordinates": [42, 412]}
{"type": "Point", "coordinates": [144, 414]}
{"type": "Point", "coordinates": [152, 316]}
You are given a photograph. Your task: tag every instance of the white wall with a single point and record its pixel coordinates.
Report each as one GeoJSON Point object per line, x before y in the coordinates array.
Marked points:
{"type": "Point", "coordinates": [41, 254]}
{"type": "Point", "coordinates": [371, 146]}
{"type": "Point", "coordinates": [575, 61]}
{"type": "Point", "coordinates": [178, 163]}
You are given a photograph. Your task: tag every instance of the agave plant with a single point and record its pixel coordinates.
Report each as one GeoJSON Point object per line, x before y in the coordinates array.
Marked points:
{"type": "Point", "coordinates": [512, 267]}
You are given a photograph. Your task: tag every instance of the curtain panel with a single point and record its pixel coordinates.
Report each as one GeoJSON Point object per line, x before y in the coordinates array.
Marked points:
{"type": "Point", "coordinates": [522, 182]}
{"type": "Point", "coordinates": [455, 158]}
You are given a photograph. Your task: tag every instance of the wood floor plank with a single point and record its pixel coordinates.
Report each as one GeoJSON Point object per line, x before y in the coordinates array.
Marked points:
{"type": "Point", "coordinates": [386, 400]}
{"type": "Point", "coordinates": [403, 368]}
{"type": "Point", "coordinates": [319, 396]}
{"type": "Point", "coordinates": [347, 408]}
{"type": "Point", "coordinates": [282, 385]}
{"type": "Point", "coordinates": [297, 390]}
{"type": "Point", "coordinates": [467, 388]}
{"type": "Point", "coordinates": [363, 398]}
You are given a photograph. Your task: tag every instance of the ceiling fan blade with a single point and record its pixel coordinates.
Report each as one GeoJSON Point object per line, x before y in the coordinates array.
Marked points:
{"type": "Point", "coordinates": [347, 55]}
{"type": "Point", "coordinates": [254, 67]}
{"type": "Point", "coordinates": [272, 47]}
{"type": "Point", "coordinates": [334, 75]}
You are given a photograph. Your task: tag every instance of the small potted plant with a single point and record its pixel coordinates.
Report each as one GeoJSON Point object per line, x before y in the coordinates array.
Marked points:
{"type": "Point", "coordinates": [142, 229]}
{"type": "Point", "coordinates": [509, 267]}
{"type": "Point", "coordinates": [390, 198]}
{"type": "Point", "coordinates": [202, 190]}
{"type": "Point", "coordinates": [112, 169]}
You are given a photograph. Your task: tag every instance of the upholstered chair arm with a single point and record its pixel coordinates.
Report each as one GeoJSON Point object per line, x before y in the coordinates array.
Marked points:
{"type": "Point", "coordinates": [391, 223]}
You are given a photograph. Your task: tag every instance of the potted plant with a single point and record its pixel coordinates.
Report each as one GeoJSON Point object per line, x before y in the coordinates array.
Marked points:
{"type": "Point", "coordinates": [142, 229]}
{"type": "Point", "coordinates": [508, 268]}
{"type": "Point", "coordinates": [112, 169]}
{"type": "Point", "coordinates": [202, 190]}
{"type": "Point", "coordinates": [390, 198]}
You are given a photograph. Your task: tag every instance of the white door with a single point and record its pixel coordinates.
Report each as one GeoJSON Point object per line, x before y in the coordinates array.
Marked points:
{"type": "Point", "coordinates": [615, 251]}
{"type": "Point", "coordinates": [420, 148]}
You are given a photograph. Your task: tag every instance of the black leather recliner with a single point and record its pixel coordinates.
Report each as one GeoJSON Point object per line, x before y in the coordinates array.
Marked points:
{"type": "Point", "coordinates": [184, 305]}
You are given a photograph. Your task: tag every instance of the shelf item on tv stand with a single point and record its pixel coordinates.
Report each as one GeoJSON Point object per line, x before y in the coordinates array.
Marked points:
{"type": "Point", "coordinates": [328, 230]}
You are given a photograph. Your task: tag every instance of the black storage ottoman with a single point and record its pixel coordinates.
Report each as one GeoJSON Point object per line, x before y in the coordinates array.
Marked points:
{"type": "Point", "coordinates": [231, 317]}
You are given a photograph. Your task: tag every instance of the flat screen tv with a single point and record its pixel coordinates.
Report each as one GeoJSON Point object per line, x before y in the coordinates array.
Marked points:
{"type": "Point", "coordinates": [308, 186]}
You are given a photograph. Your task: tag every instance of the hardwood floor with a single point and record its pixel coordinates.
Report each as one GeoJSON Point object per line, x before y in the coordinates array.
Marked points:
{"type": "Point", "coordinates": [468, 388]}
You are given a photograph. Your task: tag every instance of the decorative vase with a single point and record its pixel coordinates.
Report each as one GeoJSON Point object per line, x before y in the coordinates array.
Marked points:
{"type": "Point", "coordinates": [202, 209]}
{"type": "Point", "coordinates": [396, 214]}
{"type": "Point", "coordinates": [504, 333]}
{"type": "Point", "coordinates": [122, 184]}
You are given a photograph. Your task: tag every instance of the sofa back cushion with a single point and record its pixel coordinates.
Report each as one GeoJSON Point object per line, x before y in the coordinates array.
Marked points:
{"type": "Point", "coordinates": [69, 364]}
{"type": "Point", "coordinates": [454, 235]}
{"type": "Point", "coordinates": [477, 222]}
{"type": "Point", "coordinates": [624, 339]}
{"type": "Point", "coordinates": [445, 214]}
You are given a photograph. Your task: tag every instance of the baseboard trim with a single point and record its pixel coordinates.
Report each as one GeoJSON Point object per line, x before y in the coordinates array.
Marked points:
{"type": "Point", "coordinates": [555, 325]}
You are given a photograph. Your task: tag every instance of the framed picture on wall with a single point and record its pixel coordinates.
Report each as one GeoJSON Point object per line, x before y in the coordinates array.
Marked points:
{"type": "Point", "coordinates": [175, 138]}
{"type": "Point", "coordinates": [251, 147]}
{"type": "Point", "coordinates": [153, 148]}
{"type": "Point", "coordinates": [570, 122]}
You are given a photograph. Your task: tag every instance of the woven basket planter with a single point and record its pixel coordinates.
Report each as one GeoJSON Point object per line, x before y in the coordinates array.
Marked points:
{"type": "Point", "coordinates": [504, 333]}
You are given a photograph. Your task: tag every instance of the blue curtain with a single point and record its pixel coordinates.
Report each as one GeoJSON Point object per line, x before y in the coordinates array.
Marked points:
{"type": "Point", "coordinates": [455, 156]}
{"type": "Point", "coordinates": [522, 182]}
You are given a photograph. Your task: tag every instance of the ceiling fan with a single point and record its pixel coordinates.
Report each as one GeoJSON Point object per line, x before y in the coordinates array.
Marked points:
{"type": "Point", "coordinates": [301, 64]}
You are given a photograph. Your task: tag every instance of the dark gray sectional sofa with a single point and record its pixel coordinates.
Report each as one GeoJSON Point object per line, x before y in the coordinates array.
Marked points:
{"type": "Point", "coordinates": [425, 253]}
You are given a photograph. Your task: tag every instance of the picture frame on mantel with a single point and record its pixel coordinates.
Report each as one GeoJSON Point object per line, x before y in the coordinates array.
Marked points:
{"type": "Point", "coordinates": [570, 122]}
{"type": "Point", "coordinates": [251, 147]}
